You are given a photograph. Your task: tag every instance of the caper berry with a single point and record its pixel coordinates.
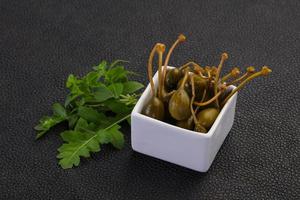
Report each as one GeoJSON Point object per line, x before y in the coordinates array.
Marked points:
{"type": "Point", "coordinates": [187, 87]}
{"type": "Point", "coordinates": [199, 128]}
{"type": "Point", "coordinates": [225, 94]}
{"type": "Point", "coordinates": [179, 105]}
{"type": "Point", "coordinates": [154, 109]}
{"type": "Point", "coordinates": [200, 85]}
{"type": "Point", "coordinates": [187, 124]}
{"type": "Point", "coordinates": [172, 78]}
{"type": "Point", "coordinates": [207, 117]}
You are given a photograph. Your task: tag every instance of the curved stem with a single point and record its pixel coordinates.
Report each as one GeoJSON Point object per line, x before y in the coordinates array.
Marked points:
{"type": "Point", "coordinates": [213, 71]}
{"type": "Point", "coordinates": [150, 69]}
{"type": "Point", "coordinates": [223, 58]}
{"type": "Point", "coordinates": [250, 70]}
{"type": "Point", "coordinates": [208, 74]}
{"type": "Point", "coordinates": [202, 76]}
{"type": "Point", "coordinates": [160, 50]}
{"type": "Point", "coordinates": [226, 77]}
{"type": "Point", "coordinates": [184, 80]}
{"type": "Point", "coordinates": [190, 63]}
{"type": "Point", "coordinates": [193, 86]}
{"type": "Point", "coordinates": [238, 79]}
{"type": "Point", "coordinates": [159, 73]}
{"type": "Point", "coordinates": [265, 71]}
{"type": "Point", "coordinates": [207, 70]}
{"type": "Point", "coordinates": [192, 100]}
{"type": "Point", "coordinates": [186, 65]}
{"type": "Point", "coordinates": [180, 38]}
{"type": "Point", "coordinates": [209, 101]}
{"type": "Point", "coordinates": [233, 73]}
{"type": "Point", "coordinates": [195, 111]}
{"type": "Point", "coordinates": [203, 96]}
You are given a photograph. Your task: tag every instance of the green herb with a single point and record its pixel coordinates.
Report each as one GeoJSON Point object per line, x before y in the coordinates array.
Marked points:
{"type": "Point", "coordinates": [94, 108]}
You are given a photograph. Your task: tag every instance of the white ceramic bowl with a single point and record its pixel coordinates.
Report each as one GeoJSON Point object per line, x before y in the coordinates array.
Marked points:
{"type": "Point", "coordinates": [177, 145]}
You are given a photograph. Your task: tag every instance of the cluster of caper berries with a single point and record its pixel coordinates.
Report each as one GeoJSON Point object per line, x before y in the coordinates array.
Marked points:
{"type": "Point", "coordinates": [192, 96]}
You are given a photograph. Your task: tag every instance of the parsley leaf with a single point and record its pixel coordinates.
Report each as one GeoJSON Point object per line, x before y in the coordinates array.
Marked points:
{"type": "Point", "coordinates": [79, 144]}
{"type": "Point", "coordinates": [131, 87]}
{"type": "Point", "coordinates": [90, 114]}
{"type": "Point", "coordinates": [103, 93]}
{"type": "Point", "coordinates": [116, 89]}
{"type": "Point", "coordinates": [59, 110]}
{"type": "Point", "coordinates": [47, 122]}
{"type": "Point", "coordinates": [95, 106]}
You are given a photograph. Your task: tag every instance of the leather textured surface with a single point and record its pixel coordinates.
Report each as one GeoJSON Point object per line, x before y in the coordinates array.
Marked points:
{"type": "Point", "coordinates": [44, 41]}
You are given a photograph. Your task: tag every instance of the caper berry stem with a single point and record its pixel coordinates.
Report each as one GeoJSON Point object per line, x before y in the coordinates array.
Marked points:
{"type": "Point", "coordinates": [263, 72]}
{"type": "Point", "coordinates": [208, 74]}
{"type": "Point", "coordinates": [191, 105]}
{"type": "Point", "coordinates": [224, 57]}
{"type": "Point", "coordinates": [181, 38]}
{"type": "Point", "coordinates": [196, 68]}
{"type": "Point", "coordinates": [203, 96]}
{"type": "Point", "coordinates": [238, 79]}
{"type": "Point", "coordinates": [226, 77]}
{"type": "Point", "coordinates": [186, 75]}
{"type": "Point", "coordinates": [150, 69]}
{"type": "Point", "coordinates": [209, 101]}
{"type": "Point", "coordinates": [202, 76]}
{"type": "Point", "coordinates": [192, 99]}
{"type": "Point", "coordinates": [207, 71]}
{"type": "Point", "coordinates": [250, 70]}
{"type": "Point", "coordinates": [160, 50]}
{"type": "Point", "coordinates": [192, 63]}
{"type": "Point", "coordinates": [196, 122]}
{"type": "Point", "coordinates": [213, 71]}
{"type": "Point", "coordinates": [232, 74]}
{"type": "Point", "coordinates": [186, 65]}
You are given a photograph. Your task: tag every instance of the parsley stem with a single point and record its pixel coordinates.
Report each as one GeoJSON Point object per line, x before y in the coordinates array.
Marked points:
{"type": "Point", "coordinates": [108, 127]}
{"type": "Point", "coordinates": [94, 136]}
{"type": "Point", "coordinates": [120, 120]}
{"type": "Point", "coordinates": [95, 105]}
{"type": "Point", "coordinates": [87, 130]}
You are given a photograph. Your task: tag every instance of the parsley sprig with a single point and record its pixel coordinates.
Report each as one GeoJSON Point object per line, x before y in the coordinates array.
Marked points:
{"type": "Point", "coordinates": [94, 108]}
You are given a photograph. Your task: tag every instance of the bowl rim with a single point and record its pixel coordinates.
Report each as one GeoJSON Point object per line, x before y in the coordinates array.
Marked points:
{"type": "Point", "coordinates": [138, 108]}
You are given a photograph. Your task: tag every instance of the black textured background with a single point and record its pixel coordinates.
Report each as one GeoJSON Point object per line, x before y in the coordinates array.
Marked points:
{"type": "Point", "coordinates": [41, 42]}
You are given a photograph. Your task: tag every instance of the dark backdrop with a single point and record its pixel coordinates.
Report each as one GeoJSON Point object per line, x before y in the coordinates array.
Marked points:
{"type": "Point", "coordinates": [44, 41]}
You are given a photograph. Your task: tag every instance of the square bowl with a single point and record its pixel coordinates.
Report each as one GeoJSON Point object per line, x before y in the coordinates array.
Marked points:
{"type": "Point", "coordinates": [176, 145]}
